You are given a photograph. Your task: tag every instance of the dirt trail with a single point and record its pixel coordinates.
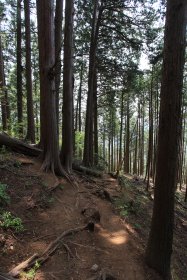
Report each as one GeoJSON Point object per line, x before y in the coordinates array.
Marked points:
{"type": "Point", "coordinates": [113, 246]}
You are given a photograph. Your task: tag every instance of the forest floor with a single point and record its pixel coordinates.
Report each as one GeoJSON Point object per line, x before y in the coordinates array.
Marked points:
{"type": "Point", "coordinates": [114, 250]}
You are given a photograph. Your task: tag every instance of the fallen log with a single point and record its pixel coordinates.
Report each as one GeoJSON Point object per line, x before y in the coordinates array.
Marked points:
{"type": "Point", "coordinates": [28, 150]}
{"type": "Point", "coordinates": [87, 171]}
{"type": "Point", "coordinates": [18, 146]}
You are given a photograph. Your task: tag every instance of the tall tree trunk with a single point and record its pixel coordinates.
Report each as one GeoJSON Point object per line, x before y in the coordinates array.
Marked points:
{"type": "Point", "coordinates": [88, 158]}
{"type": "Point", "coordinates": [67, 128]}
{"type": "Point", "coordinates": [50, 154]}
{"type": "Point", "coordinates": [30, 114]}
{"type": "Point", "coordinates": [120, 161]}
{"type": "Point", "coordinates": [159, 248]}
{"type": "Point", "coordinates": [19, 71]}
{"type": "Point", "coordinates": [109, 153]}
{"type": "Point", "coordinates": [142, 143]}
{"type": "Point", "coordinates": [3, 93]}
{"type": "Point", "coordinates": [150, 142]}
{"type": "Point", "coordinates": [80, 99]}
{"type": "Point", "coordinates": [96, 148]}
{"type": "Point", "coordinates": [127, 146]}
{"type": "Point", "coordinates": [58, 47]}
{"type": "Point", "coordinates": [135, 151]}
{"type": "Point", "coordinates": [78, 122]}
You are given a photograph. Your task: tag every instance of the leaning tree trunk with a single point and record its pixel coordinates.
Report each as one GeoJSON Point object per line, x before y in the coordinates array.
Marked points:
{"type": "Point", "coordinates": [30, 114]}
{"type": "Point", "coordinates": [67, 128]}
{"type": "Point", "coordinates": [50, 154]}
{"type": "Point", "coordinates": [159, 248]}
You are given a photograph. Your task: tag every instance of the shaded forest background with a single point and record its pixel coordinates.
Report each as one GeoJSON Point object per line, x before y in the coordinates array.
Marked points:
{"type": "Point", "coordinates": [125, 107]}
{"type": "Point", "coordinates": [99, 86]}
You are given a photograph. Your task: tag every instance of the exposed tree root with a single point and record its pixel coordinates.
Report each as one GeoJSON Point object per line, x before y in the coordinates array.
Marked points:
{"type": "Point", "coordinates": [47, 165]}
{"type": "Point", "coordinates": [52, 247]}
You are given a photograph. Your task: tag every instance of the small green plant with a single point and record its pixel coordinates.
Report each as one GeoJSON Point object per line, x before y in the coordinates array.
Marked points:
{"type": "Point", "coordinates": [51, 199]}
{"type": "Point", "coordinates": [17, 164]}
{"type": "Point", "coordinates": [3, 150]}
{"type": "Point", "coordinates": [7, 220]}
{"type": "Point", "coordinates": [124, 213]}
{"type": "Point", "coordinates": [4, 197]}
{"type": "Point", "coordinates": [61, 186]}
{"type": "Point", "coordinates": [30, 275]}
{"type": "Point", "coordinates": [137, 226]}
{"type": "Point", "coordinates": [124, 182]}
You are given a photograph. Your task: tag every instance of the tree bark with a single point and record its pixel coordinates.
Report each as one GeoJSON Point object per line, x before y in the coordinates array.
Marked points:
{"type": "Point", "coordinates": [127, 140]}
{"type": "Point", "coordinates": [149, 166]}
{"type": "Point", "coordinates": [88, 158]}
{"type": "Point", "coordinates": [67, 128]}
{"type": "Point", "coordinates": [30, 114]}
{"type": "Point", "coordinates": [19, 71]}
{"type": "Point", "coordinates": [49, 139]}
{"type": "Point", "coordinates": [159, 248]}
{"type": "Point", "coordinates": [3, 93]}
{"type": "Point", "coordinates": [96, 145]}
{"type": "Point", "coordinates": [58, 48]}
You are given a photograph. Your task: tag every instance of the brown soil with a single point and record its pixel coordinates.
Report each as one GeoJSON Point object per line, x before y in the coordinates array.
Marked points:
{"type": "Point", "coordinates": [116, 246]}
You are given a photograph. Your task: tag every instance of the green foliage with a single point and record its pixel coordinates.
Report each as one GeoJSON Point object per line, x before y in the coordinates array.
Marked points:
{"type": "Point", "coordinates": [7, 220]}
{"type": "Point", "coordinates": [124, 213]}
{"type": "Point", "coordinates": [61, 186]}
{"type": "Point", "coordinates": [137, 226]}
{"type": "Point", "coordinates": [101, 163]}
{"type": "Point", "coordinates": [30, 275]}
{"type": "Point", "coordinates": [124, 182]}
{"type": "Point", "coordinates": [17, 164]}
{"type": "Point", "coordinates": [51, 200]}
{"type": "Point", "coordinates": [3, 150]}
{"type": "Point", "coordinates": [79, 143]}
{"type": "Point", "coordinates": [128, 206]}
{"type": "Point", "coordinates": [4, 197]}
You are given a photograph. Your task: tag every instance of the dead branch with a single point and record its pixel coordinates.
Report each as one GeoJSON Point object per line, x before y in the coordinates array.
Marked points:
{"type": "Point", "coordinates": [20, 267]}
{"type": "Point", "coordinates": [51, 248]}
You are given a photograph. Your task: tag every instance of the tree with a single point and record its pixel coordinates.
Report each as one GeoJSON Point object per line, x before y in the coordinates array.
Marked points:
{"type": "Point", "coordinates": [50, 154]}
{"type": "Point", "coordinates": [67, 126]}
{"type": "Point", "coordinates": [88, 142]}
{"type": "Point", "coordinates": [159, 248]}
{"type": "Point", "coordinates": [58, 47]}
{"type": "Point", "coordinates": [19, 70]}
{"type": "Point", "coordinates": [30, 115]}
{"type": "Point", "coordinates": [3, 93]}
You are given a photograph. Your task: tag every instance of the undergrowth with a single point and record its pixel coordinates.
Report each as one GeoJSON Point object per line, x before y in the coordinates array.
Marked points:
{"type": "Point", "coordinates": [31, 273]}
{"type": "Point", "coordinates": [4, 197]}
{"type": "Point", "coordinates": [7, 220]}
